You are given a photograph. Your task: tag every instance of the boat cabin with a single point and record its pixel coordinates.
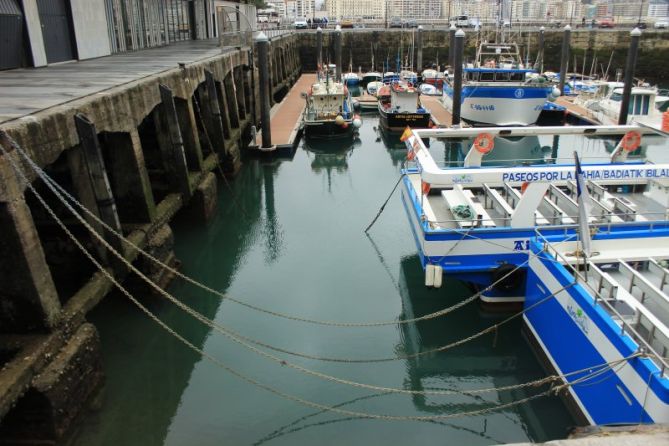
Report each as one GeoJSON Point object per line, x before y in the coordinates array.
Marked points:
{"type": "Point", "coordinates": [642, 100]}
{"type": "Point", "coordinates": [327, 100]}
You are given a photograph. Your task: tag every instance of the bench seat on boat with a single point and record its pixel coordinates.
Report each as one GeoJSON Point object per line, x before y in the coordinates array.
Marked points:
{"type": "Point", "coordinates": [460, 197]}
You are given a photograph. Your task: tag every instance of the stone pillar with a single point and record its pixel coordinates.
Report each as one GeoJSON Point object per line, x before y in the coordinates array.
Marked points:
{"type": "Point", "coordinates": [97, 175]}
{"type": "Point", "coordinates": [211, 114]}
{"type": "Point", "coordinates": [171, 144]}
{"type": "Point", "coordinates": [28, 294]}
{"type": "Point", "coordinates": [319, 48]}
{"type": "Point", "coordinates": [539, 62]}
{"type": "Point", "coordinates": [128, 177]}
{"type": "Point", "coordinates": [189, 134]}
{"type": "Point", "coordinates": [233, 108]}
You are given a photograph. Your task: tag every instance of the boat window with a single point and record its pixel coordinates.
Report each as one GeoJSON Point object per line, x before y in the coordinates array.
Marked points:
{"type": "Point", "coordinates": [518, 77]}
{"type": "Point", "coordinates": [645, 106]}
{"type": "Point", "coordinates": [503, 77]}
{"type": "Point", "coordinates": [487, 77]}
{"type": "Point", "coordinates": [637, 105]}
{"type": "Point", "coordinates": [617, 97]}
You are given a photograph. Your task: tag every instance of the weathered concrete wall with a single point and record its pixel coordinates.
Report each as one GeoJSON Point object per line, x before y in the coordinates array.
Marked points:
{"type": "Point", "coordinates": [90, 28]}
{"type": "Point", "coordinates": [653, 62]}
{"type": "Point", "coordinates": [135, 155]}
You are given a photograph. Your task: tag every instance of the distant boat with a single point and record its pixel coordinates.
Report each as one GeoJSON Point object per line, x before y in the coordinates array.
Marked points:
{"type": "Point", "coordinates": [642, 107]}
{"type": "Point", "coordinates": [429, 90]}
{"type": "Point", "coordinates": [498, 90]}
{"type": "Point", "coordinates": [329, 111]}
{"type": "Point", "coordinates": [371, 76]}
{"type": "Point", "coordinates": [351, 79]}
{"type": "Point", "coordinates": [373, 87]}
{"type": "Point", "coordinates": [433, 77]}
{"type": "Point", "coordinates": [390, 76]}
{"type": "Point", "coordinates": [399, 107]}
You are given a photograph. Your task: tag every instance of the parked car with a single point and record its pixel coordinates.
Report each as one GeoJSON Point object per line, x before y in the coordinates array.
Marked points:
{"type": "Point", "coordinates": [346, 23]}
{"type": "Point", "coordinates": [606, 22]}
{"type": "Point", "coordinates": [641, 25]}
{"type": "Point", "coordinates": [395, 22]}
{"type": "Point", "coordinates": [301, 24]}
{"type": "Point", "coordinates": [661, 24]}
{"type": "Point", "coordinates": [411, 23]}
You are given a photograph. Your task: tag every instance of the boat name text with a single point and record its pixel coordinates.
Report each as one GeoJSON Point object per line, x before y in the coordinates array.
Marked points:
{"type": "Point", "coordinates": [563, 175]}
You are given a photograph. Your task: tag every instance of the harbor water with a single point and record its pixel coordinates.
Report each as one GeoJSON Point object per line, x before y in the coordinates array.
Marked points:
{"type": "Point", "coordinates": [288, 236]}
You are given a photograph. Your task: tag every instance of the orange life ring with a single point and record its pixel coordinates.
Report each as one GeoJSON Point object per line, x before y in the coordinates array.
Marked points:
{"type": "Point", "coordinates": [425, 187]}
{"type": "Point", "coordinates": [523, 187]}
{"type": "Point", "coordinates": [484, 143]}
{"type": "Point", "coordinates": [631, 141]}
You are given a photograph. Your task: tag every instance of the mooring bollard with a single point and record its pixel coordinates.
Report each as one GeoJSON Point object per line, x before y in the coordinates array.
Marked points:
{"type": "Point", "coordinates": [451, 46]}
{"type": "Point", "coordinates": [565, 57]}
{"type": "Point", "coordinates": [338, 52]}
{"type": "Point", "coordinates": [457, 80]}
{"type": "Point", "coordinates": [419, 50]}
{"type": "Point", "coordinates": [263, 68]}
{"type": "Point", "coordinates": [635, 36]}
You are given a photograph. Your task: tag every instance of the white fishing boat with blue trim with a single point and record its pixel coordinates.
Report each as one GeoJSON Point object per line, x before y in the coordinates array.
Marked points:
{"type": "Point", "coordinates": [498, 90]}
{"type": "Point", "coordinates": [592, 284]}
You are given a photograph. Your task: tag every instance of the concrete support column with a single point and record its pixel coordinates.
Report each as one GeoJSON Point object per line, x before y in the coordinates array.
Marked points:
{"type": "Point", "coordinates": [263, 58]}
{"type": "Point", "coordinates": [565, 57]}
{"type": "Point", "coordinates": [635, 36]}
{"type": "Point", "coordinates": [338, 52]}
{"type": "Point", "coordinates": [94, 166]}
{"type": "Point", "coordinates": [171, 144]}
{"type": "Point", "coordinates": [128, 177]}
{"type": "Point", "coordinates": [231, 96]}
{"type": "Point", "coordinates": [28, 294]}
{"type": "Point", "coordinates": [211, 115]}
{"type": "Point", "coordinates": [189, 134]}
{"type": "Point", "coordinates": [419, 50]}
{"type": "Point", "coordinates": [457, 81]}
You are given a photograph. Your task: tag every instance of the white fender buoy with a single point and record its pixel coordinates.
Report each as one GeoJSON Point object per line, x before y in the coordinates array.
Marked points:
{"type": "Point", "coordinates": [438, 275]}
{"type": "Point", "coordinates": [555, 93]}
{"type": "Point", "coordinates": [357, 122]}
{"type": "Point", "coordinates": [429, 275]}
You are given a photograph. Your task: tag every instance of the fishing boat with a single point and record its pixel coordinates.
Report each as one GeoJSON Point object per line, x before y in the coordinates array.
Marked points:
{"type": "Point", "coordinates": [433, 77]}
{"type": "Point", "coordinates": [399, 106]}
{"type": "Point", "coordinates": [581, 249]}
{"type": "Point", "coordinates": [497, 90]}
{"type": "Point", "coordinates": [351, 79]}
{"type": "Point", "coordinates": [373, 87]}
{"type": "Point", "coordinates": [329, 109]}
{"type": "Point", "coordinates": [429, 90]}
{"type": "Point", "coordinates": [369, 77]}
{"type": "Point", "coordinates": [642, 106]}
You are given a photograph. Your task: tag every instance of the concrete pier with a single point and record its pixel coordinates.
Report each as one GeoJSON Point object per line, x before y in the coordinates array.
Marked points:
{"type": "Point", "coordinates": [137, 138]}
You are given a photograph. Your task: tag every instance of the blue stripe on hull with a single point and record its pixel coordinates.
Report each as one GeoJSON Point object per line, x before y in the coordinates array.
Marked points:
{"type": "Point", "coordinates": [571, 349]}
{"type": "Point", "coordinates": [518, 92]}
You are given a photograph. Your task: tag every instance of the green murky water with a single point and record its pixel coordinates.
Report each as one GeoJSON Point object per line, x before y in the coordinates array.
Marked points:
{"type": "Point", "coordinates": [298, 247]}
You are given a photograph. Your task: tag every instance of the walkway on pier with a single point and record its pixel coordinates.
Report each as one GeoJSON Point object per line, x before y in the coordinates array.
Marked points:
{"type": "Point", "coordinates": [26, 91]}
{"type": "Point", "coordinates": [286, 116]}
{"type": "Point", "coordinates": [440, 116]}
{"type": "Point", "coordinates": [577, 110]}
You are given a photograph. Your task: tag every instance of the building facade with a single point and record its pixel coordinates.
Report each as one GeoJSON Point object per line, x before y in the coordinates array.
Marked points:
{"type": "Point", "coordinates": [359, 9]}
{"type": "Point", "coordinates": [41, 32]}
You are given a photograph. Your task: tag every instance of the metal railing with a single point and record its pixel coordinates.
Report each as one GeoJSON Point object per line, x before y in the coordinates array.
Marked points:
{"type": "Point", "coordinates": [598, 299]}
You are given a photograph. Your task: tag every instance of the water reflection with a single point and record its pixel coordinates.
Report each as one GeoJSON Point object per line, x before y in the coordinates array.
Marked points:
{"type": "Point", "coordinates": [498, 360]}
{"type": "Point", "coordinates": [331, 156]}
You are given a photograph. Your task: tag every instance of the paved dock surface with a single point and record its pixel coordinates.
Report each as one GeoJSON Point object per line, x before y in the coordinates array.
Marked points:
{"type": "Point", "coordinates": [440, 116]}
{"type": "Point", "coordinates": [576, 109]}
{"type": "Point", "coordinates": [286, 116]}
{"type": "Point", "coordinates": [29, 90]}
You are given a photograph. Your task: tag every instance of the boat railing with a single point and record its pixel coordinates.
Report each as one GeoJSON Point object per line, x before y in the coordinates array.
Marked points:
{"type": "Point", "coordinates": [602, 296]}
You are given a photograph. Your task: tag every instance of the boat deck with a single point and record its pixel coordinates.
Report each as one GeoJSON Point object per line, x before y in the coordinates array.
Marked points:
{"type": "Point", "coordinates": [285, 117]}
{"type": "Point", "coordinates": [440, 116]}
{"type": "Point", "coordinates": [630, 279]}
{"type": "Point", "coordinates": [367, 102]}
{"type": "Point", "coordinates": [493, 205]}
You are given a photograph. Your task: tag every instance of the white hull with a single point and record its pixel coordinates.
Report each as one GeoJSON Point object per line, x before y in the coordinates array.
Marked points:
{"type": "Point", "coordinates": [498, 111]}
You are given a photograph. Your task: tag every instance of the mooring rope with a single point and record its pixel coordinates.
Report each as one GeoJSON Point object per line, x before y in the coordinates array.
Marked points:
{"type": "Point", "coordinates": [553, 390]}
{"type": "Point", "coordinates": [383, 206]}
{"type": "Point", "coordinates": [57, 190]}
